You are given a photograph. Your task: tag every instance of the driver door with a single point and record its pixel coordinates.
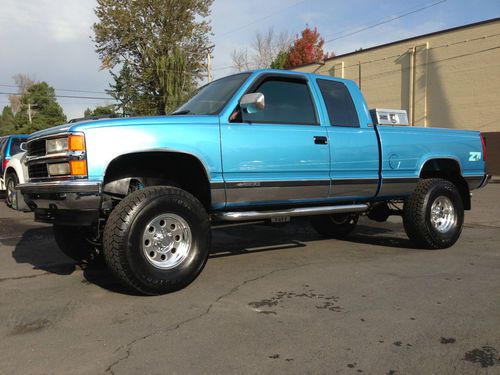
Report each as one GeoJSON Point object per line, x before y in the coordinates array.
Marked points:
{"type": "Point", "coordinates": [280, 154]}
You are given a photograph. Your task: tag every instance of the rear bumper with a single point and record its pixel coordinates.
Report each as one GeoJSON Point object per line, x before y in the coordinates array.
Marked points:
{"type": "Point", "coordinates": [63, 202]}
{"type": "Point", "coordinates": [485, 181]}
{"type": "Point", "coordinates": [477, 181]}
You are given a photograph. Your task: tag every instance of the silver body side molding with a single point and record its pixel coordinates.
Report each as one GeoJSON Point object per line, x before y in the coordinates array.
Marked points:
{"type": "Point", "coordinates": [301, 211]}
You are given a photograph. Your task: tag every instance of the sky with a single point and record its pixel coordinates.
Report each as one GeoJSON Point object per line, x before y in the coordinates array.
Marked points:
{"type": "Point", "coordinates": [51, 40]}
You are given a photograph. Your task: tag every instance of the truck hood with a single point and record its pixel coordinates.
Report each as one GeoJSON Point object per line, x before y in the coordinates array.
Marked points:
{"type": "Point", "coordinates": [130, 121]}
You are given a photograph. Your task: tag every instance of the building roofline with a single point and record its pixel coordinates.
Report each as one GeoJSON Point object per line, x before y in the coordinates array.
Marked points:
{"type": "Point", "coordinates": [403, 41]}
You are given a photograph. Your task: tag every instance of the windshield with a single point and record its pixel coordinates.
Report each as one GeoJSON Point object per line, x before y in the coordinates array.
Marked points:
{"type": "Point", "coordinates": [212, 98]}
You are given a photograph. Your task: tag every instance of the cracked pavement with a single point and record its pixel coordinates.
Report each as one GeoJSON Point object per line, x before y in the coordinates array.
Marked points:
{"type": "Point", "coordinates": [272, 299]}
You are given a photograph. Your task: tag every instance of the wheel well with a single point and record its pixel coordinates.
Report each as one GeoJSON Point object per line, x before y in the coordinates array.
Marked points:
{"type": "Point", "coordinates": [10, 170]}
{"type": "Point", "coordinates": [158, 168]}
{"type": "Point", "coordinates": [448, 169]}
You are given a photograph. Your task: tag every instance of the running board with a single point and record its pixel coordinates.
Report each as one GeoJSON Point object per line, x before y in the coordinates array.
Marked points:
{"type": "Point", "coordinates": [301, 211]}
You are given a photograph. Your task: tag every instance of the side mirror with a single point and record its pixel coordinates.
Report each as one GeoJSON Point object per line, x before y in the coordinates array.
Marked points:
{"type": "Point", "coordinates": [252, 103]}
{"type": "Point", "coordinates": [23, 146]}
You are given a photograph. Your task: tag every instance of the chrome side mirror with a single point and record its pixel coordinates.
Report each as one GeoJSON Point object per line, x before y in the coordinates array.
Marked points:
{"type": "Point", "coordinates": [23, 147]}
{"type": "Point", "coordinates": [252, 103]}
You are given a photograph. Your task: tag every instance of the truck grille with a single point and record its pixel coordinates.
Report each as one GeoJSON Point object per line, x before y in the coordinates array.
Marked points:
{"type": "Point", "coordinates": [38, 171]}
{"type": "Point", "coordinates": [36, 148]}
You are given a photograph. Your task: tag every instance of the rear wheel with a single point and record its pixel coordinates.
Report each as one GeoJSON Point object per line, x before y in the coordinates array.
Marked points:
{"type": "Point", "coordinates": [157, 240]}
{"type": "Point", "coordinates": [335, 225]}
{"type": "Point", "coordinates": [76, 243]}
{"type": "Point", "coordinates": [11, 198]}
{"type": "Point", "coordinates": [433, 215]}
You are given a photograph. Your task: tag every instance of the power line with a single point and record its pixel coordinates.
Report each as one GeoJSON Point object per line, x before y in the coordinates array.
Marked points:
{"type": "Point", "coordinates": [68, 90]}
{"type": "Point", "coordinates": [430, 48]}
{"type": "Point", "coordinates": [356, 31]}
{"type": "Point", "coordinates": [394, 18]}
{"type": "Point", "coordinates": [261, 19]}
{"type": "Point", "coordinates": [60, 96]}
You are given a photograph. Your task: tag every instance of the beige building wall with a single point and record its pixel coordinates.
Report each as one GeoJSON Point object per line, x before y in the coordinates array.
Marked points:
{"type": "Point", "coordinates": [445, 79]}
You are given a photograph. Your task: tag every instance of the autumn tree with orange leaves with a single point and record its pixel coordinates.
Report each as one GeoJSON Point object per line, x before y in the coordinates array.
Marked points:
{"type": "Point", "coordinates": [307, 49]}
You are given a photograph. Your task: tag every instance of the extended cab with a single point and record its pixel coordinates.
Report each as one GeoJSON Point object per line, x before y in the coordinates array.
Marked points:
{"type": "Point", "coordinates": [262, 145]}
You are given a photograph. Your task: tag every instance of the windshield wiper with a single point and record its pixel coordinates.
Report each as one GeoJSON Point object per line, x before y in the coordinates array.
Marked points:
{"type": "Point", "coordinates": [183, 112]}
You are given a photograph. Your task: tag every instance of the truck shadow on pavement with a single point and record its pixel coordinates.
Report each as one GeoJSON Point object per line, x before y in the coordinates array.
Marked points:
{"type": "Point", "coordinates": [38, 248]}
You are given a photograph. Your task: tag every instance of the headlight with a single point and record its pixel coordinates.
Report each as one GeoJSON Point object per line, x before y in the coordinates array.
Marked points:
{"type": "Point", "coordinates": [74, 142]}
{"type": "Point", "coordinates": [59, 169]}
{"type": "Point", "coordinates": [56, 145]}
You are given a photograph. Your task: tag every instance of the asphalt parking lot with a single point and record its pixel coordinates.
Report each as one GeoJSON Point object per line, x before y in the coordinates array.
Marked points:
{"type": "Point", "coordinates": [270, 300]}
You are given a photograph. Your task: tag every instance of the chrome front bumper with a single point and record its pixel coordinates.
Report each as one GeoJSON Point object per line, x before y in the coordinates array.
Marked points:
{"type": "Point", "coordinates": [63, 202]}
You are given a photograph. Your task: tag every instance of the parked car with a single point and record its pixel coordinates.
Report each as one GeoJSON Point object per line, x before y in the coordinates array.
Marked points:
{"type": "Point", "coordinates": [10, 145]}
{"type": "Point", "coordinates": [262, 145]}
{"type": "Point", "coordinates": [16, 173]}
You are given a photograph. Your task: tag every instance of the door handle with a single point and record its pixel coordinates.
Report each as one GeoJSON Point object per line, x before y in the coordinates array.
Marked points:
{"type": "Point", "coordinates": [320, 140]}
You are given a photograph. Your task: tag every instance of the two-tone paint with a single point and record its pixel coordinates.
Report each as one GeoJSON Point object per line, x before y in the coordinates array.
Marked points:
{"type": "Point", "coordinates": [271, 164]}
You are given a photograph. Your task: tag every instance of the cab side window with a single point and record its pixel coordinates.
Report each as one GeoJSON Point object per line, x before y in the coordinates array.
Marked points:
{"type": "Point", "coordinates": [339, 104]}
{"type": "Point", "coordinates": [288, 101]}
{"type": "Point", "coordinates": [15, 146]}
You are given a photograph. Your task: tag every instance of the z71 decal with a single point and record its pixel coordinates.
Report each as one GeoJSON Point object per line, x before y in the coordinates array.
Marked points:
{"type": "Point", "coordinates": [474, 156]}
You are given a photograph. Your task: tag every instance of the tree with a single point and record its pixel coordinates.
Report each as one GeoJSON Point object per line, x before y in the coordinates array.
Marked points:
{"type": "Point", "coordinates": [7, 122]}
{"type": "Point", "coordinates": [162, 44]}
{"type": "Point", "coordinates": [39, 109]}
{"type": "Point", "coordinates": [306, 49]}
{"type": "Point", "coordinates": [23, 82]}
{"type": "Point", "coordinates": [280, 60]}
{"type": "Point", "coordinates": [266, 47]}
{"type": "Point", "coordinates": [100, 111]}
{"type": "Point", "coordinates": [123, 90]}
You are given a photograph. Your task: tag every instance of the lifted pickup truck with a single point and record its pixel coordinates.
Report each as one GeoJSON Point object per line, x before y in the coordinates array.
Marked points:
{"type": "Point", "coordinates": [262, 145]}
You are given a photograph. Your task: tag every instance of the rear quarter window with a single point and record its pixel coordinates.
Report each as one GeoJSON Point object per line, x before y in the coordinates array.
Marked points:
{"type": "Point", "coordinates": [339, 104]}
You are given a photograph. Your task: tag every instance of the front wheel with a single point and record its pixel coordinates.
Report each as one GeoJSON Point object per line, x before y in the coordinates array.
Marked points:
{"type": "Point", "coordinates": [433, 215]}
{"type": "Point", "coordinates": [157, 240]}
{"type": "Point", "coordinates": [335, 225]}
{"type": "Point", "coordinates": [11, 182]}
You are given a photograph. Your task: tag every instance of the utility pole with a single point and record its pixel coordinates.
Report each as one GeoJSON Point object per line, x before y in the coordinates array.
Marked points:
{"type": "Point", "coordinates": [29, 112]}
{"type": "Point", "coordinates": [209, 67]}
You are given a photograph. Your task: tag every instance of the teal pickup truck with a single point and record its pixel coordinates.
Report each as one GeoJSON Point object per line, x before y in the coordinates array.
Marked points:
{"type": "Point", "coordinates": [262, 145]}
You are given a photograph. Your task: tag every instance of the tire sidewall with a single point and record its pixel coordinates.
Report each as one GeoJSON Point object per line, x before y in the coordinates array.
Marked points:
{"type": "Point", "coordinates": [11, 177]}
{"type": "Point", "coordinates": [185, 272]}
{"type": "Point", "coordinates": [447, 190]}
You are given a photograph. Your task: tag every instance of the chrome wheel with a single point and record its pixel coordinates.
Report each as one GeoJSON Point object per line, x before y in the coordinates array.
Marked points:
{"type": "Point", "coordinates": [166, 241]}
{"type": "Point", "coordinates": [443, 215]}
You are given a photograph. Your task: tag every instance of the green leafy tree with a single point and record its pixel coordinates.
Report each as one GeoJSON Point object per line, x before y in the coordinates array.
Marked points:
{"type": "Point", "coordinates": [162, 43]}
{"type": "Point", "coordinates": [124, 91]}
{"type": "Point", "coordinates": [100, 111]}
{"type": "Point", "coordinates": [280, 60]}
{"type": "Point", "coordinates": [7, 122]}
{"type": "Point", "coordinates": [39, 109]}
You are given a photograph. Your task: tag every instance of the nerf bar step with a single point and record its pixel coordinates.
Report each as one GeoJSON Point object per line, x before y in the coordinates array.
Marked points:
{"type": "Point", "coordinates": [301, 211]}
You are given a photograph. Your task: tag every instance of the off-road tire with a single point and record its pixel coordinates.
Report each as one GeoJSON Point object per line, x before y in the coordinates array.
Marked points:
{"type": "Point", "coordinates": [417, 214]}
{"type": "Point", "coordinates": [335, 225]}
{"type": "Point", "coordinates": [73, 241]}
{"type": "Point", "coordinates": [11, 201]}
{"type": "Point", "coordinates": [123, 236]}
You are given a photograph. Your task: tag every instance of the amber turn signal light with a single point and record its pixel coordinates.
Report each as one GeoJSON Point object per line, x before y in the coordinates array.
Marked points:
{"type": "Point", "coordinates": [78, 167]}
{"type": "Point", "coordinates": [76, 143]}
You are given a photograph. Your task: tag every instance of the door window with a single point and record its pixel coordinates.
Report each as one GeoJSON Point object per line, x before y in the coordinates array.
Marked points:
{"type": "Point", "coordinates": [288, 101]}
